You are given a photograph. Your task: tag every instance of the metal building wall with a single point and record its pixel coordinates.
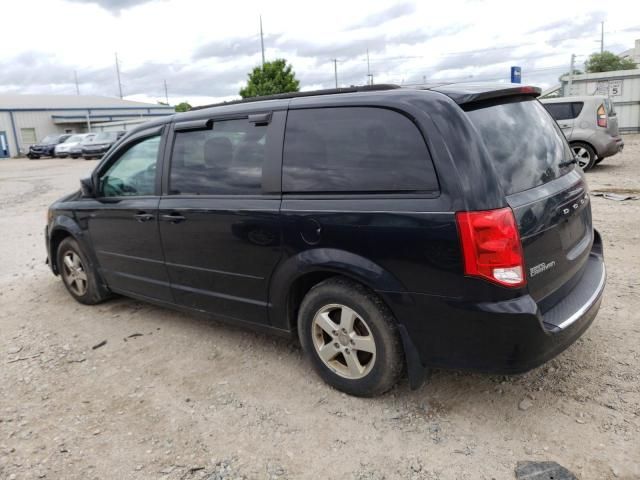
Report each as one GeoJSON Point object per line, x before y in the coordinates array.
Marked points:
{"type": "Point", "coordinates": [622, 87]}
{"type": "Point", "coordinates": [5, 126]}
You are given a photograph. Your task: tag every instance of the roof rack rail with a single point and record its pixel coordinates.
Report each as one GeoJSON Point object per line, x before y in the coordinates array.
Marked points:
{"type": "Point", "coordinates": [311, 93]}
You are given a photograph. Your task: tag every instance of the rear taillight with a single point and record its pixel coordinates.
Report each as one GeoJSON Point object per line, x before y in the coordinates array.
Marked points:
{"type": "Point", "coordinates": [491, 246]}
{"type": "Point", "coordinates": [602, 116]}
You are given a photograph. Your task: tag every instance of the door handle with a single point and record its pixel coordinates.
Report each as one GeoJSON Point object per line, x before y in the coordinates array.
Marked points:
{"type": "Point", "coordinates": [143, 217]}
{"type": "Point", "coordinates": [173, 218]}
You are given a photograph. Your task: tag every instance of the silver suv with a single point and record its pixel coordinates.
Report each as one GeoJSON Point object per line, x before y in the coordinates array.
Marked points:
{"type": "Point", "coordinates": [590, 125]}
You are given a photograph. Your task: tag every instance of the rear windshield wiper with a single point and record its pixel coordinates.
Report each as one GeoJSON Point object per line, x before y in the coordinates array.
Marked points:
{"type": "Point", "coordinates": [567, 163]}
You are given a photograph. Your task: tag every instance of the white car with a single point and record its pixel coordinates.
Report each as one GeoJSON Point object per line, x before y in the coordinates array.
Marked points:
{"type": "Point", "coordinates": [73, 145]}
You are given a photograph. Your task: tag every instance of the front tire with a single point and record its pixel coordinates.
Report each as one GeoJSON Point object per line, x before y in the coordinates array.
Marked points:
{"type": "Point", "coordinates": [351, 338]}
{"type": "Point", "coordinates": [78, 276]}
{"type": "Point", "coordinates": [585, 155]}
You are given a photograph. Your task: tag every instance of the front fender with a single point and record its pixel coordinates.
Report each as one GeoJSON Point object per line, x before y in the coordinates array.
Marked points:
{"type": "Point", "coordinates": [63, 226]}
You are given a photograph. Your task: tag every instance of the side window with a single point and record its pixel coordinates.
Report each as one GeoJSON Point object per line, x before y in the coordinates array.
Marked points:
{"type": "Point", "coordinates": [225, 160]}
{"type": "Point", "coordinates": [354, 149]}
{"type": "Point", "coordinates": [560, 111]}
{"type": "Point", "coordinates": [577, 108]}
{"type": "Point", "coordinates": [134, 172]}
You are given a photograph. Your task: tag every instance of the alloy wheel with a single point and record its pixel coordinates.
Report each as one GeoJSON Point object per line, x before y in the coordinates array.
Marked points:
{"type": "Point", "coordinates": [343, 341]}
{"type": "Point", "coordinates": [74, 273]}
{"type": "Point", "coordinates": [582, 156]}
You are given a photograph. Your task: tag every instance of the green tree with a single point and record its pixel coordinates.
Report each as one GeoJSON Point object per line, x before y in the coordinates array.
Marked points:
{"type": "Point", "coordinates": [183, 107]}
{"type": "Point", "coordinates": [607, 62]}
{"type": "Point", "coordinates": [274, 77]}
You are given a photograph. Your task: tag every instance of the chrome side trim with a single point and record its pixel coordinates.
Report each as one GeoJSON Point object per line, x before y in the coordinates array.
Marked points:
{"type": "Point", "coordinates": [588, 304]}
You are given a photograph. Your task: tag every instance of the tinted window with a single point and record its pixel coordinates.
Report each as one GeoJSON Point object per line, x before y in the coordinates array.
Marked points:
{"type": "Point", "coordinates": [559, 111]}
{"type": "Point", "coordinates": [225, 160]}
{"type": "Point", "coordinates": [527, 147]}
{"type": "Point", "coordinates": [564, 111]}
{"type": "Point", "coordinates": [577, 108]}
{"type": "Point", "coordinates": [134, 173]}
{"type": "Point", "coordinates": [354, 150]}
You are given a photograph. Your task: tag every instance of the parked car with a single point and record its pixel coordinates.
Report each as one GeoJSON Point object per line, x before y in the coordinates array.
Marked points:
{"type": "Point", "coordinates": [383, 226]}
{"type": "Point", "coordinates": [72, 144]}
{"type": "Point", "coordinates": [100, 144]}
{"type": "Point", "coordinates": [590, 124]}
{"type": "Point", "coordinates": [46, 147]}
{"type": "Point", "coordinates": [76, 151]}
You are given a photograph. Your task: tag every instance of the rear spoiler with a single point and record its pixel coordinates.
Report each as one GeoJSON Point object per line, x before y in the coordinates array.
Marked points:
{"type": "Point", "coordinates": [471, 93]}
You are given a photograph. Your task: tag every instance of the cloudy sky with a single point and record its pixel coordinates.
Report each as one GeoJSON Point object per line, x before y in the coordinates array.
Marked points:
{"type": "Point", "coordinates": [204, 49]}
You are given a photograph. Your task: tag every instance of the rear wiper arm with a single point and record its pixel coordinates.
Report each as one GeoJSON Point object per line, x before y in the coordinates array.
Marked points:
{"type": "Point", "coordinates": [568, 162]}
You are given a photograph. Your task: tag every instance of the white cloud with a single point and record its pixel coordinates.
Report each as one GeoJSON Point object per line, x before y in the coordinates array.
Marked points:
{"type": "Point", "coordinates": [204, 49]}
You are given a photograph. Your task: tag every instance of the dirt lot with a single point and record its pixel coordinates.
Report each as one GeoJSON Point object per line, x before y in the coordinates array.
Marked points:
{"type": "Point", "coordinates": [190, 398]}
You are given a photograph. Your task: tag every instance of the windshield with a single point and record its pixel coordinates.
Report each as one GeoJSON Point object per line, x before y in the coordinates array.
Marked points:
{"type": "Point", "coordinates": [50, 139]}
{"type": "Point", "coordinates": [105, 137]}
{"type": "Point", "coordinates": [526, 145]}
{"type": "Point", "coordinates": [74, 138]}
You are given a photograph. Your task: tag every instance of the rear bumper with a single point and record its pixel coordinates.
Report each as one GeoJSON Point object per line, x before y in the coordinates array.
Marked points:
{"type": "Point", "coordinates": [613, 146]}
{"type": "Point", "coordinates": [506, 337]}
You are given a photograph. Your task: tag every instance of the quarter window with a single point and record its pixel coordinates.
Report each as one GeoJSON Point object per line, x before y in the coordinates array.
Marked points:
{"type": "Point", "coordinates": [134, 172]}
{"type": "Point", "coordinates": [354, 149]}
{"type": "Point", "coordinates": [224, 160]}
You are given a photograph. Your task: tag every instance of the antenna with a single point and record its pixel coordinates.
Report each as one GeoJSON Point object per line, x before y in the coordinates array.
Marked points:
{"type": "Point", "coordinates": [75, 74]}
{"type": "Point", "coordinates": [261, 41]}
{"type": "Point", "coordinates": [335, 70]}
{"type": "Point", "coordinates": [118, 74]}
{"type": "Point", "coordinates": [166, 93]}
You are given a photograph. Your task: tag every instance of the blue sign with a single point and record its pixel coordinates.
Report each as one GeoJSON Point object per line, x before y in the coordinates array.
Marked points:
{"type": "Point", "coordinates": [516, 75]}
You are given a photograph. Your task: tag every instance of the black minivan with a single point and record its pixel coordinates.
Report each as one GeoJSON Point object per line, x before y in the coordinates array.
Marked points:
{"type": "Point", "coordinates": [392, 229]}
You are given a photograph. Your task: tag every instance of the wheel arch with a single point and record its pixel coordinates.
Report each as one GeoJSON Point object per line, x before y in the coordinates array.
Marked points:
{"type": "Point", "coordinates": [299, 273]}
{"type": "Point", "coordinates": [63, 227]}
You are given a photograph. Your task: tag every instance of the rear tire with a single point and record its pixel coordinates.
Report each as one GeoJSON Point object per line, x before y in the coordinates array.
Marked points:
{"type": "Point", "coordinates": [78, 276]}
{"type": "Point", "coordinates": [585, 155]}
{"type": "Point", "coordinates": [350, 337]}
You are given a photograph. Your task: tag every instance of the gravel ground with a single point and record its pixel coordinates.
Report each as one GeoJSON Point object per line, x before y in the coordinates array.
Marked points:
{"type": "Point", "coordinates": [191, 399]}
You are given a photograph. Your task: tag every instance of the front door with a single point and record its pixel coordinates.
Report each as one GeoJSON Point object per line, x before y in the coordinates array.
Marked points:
{"type": "Point", "coordinates": [4, 145]}
{"type": "Point", "coordinates": [124, 223]}
{"type": "Point", "coordinates": [219, 219]}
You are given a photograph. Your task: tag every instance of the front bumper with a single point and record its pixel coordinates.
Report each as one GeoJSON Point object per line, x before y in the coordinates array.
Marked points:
{"type": "Point", "coordinates": [505, 337]}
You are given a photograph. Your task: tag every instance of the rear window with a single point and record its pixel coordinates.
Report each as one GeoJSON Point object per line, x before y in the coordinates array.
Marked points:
{"type": "Point", "coordinates": [355, 149]}
{"type": "Point", "coordinates": [526, 145]}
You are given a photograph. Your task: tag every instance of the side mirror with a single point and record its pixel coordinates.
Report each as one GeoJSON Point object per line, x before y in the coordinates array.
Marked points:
{"type": "Point", "coordinates": [87, 188]}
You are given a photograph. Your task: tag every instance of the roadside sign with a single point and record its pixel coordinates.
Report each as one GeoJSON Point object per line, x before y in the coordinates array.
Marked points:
{"type": "Point", "coordinates": [516, 75]}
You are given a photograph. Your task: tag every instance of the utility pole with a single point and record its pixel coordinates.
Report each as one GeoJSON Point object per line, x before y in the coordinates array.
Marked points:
{"type": "Point", "coordinates": [261, 41]}
{"type": "Point", "coordinates": [118, 74]}
{"type": "Point", "coordinates": [601, 37]}
{"type": "Point", "coordinates": [166, 93]}
{"type": "Point", "coordinates": [75, 74]}
{"type": "Point", "coordinates": [335, 70]}
{"type": "Point", "coordinates": [368, 69]}
{"type": "Point", "coordinates": [571, 67]}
